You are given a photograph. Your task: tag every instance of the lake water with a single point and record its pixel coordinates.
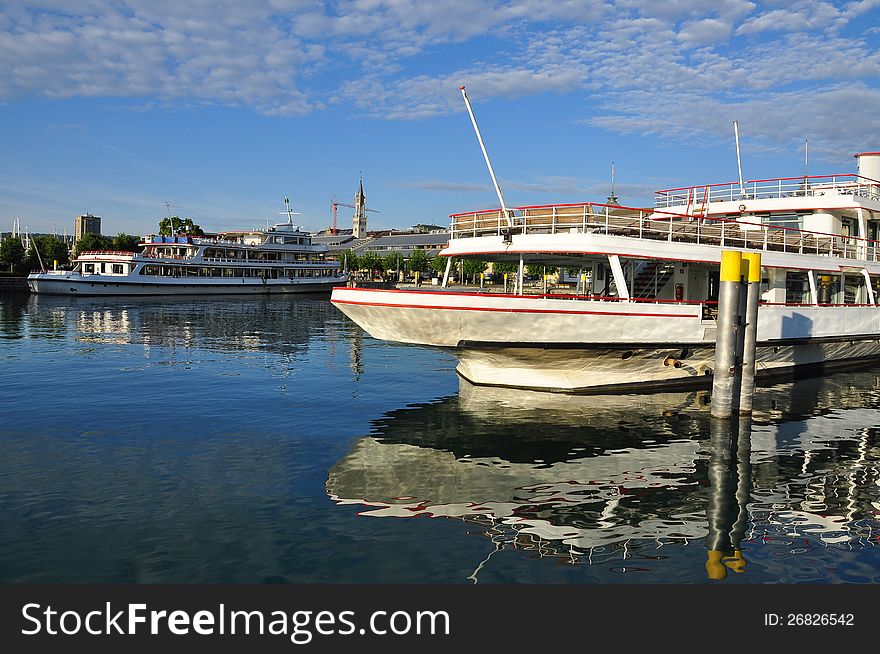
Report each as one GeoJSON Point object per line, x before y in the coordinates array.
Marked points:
{"type": "Point", "coordinates": [270, 440]}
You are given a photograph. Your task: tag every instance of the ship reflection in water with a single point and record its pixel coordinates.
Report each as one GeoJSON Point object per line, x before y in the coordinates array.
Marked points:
{"type": "Point", "coordinates": [613, 480]}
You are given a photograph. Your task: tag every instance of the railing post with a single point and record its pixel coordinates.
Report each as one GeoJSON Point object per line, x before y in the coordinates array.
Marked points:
{"type": "Point", "coordinates": [722, 233]}
{"type": "Point", "coordinates": [670, 229]}
{"type": "Point", "coordinates": [606, 221]}
{"type": "Point", "coordinates": [553, 222]}
{"type": "Point", "coordinates": [641, 222]}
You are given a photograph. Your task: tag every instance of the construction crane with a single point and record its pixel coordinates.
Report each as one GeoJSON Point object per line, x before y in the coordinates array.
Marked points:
{"type": "Point", "coordinates": [334, 202]}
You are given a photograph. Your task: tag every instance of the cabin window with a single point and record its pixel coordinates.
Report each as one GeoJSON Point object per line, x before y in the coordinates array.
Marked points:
{"type": "Point", "coordinates": [117, 268]}
{"type": "Point", "coordinates": [854, 290]}
{"type": "Point", "coordinates": [797, 288]}
{"type": "Point", "coordinates": [88, 268]}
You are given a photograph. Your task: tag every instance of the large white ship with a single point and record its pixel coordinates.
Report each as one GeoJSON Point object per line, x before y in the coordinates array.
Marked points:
{"type": "Point", "coordinates": [643, 312]}
{"type": "Point", "coordinates": [280, 259]}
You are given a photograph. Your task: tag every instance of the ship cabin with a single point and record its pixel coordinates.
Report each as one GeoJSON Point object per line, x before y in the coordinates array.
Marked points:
{"type": "Point", "coordinates": [818, 236]}
{"type": "Point", "coordinates": [282, 251]}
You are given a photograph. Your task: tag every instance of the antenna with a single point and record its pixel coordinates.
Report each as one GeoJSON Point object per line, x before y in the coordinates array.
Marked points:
{"type": "Point", "coordinates": [742, 188]}
{"type": "Point", "coordinates": [467, 103]}
{"type": "Point", "coordinates": [170, 217]}
{"type": "Point", "coordinates": [287, 212]}
{"type": "Point", "coordinates": [612, 199]}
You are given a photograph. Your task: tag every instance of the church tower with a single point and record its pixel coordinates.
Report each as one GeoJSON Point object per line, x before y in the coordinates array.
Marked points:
{"type": "Point", "coordinates": [359, 222]}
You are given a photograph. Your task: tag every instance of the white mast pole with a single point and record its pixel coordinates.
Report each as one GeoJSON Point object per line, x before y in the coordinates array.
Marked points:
{"type": "Point", "coordinates": [806, 156]}
{"type": "Point", "coordinates": [742, 188]}
{"type": "Point", "coordinates": [467, 104]}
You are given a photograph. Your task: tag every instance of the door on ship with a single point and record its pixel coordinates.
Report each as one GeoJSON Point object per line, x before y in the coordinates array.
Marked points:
{"type": "Point", "coordinates": [714, 280]}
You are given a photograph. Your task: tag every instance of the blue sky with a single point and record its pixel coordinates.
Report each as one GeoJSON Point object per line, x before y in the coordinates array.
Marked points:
{"type": "Point", "coordinates": [223, 108]}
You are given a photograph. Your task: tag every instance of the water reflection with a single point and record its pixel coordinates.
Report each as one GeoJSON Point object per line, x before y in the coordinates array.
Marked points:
{"type": "Point", "coordinates": [233, 322]}
{"type": "Point", "coordinates": [730, 485]}
{"type": "Point", "coordinates": [615, 480]}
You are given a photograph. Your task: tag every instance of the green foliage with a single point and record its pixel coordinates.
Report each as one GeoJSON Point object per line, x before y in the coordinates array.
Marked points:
{"type": "Point", "coordinates": [370, 261]}
{"type": "Point", "coordinates": [12, 254]}
{"type": "Point", "coordinates": [438, 264]}
{"type": "Point", "coordinates": [502, 267]}
{"type": "Point", "coordinates": [471, 268]}
{"type": "Point", "coordinates": [392, 261]}
{"type": "Point", "coordinates": [538, 271]}
{"type": "Point", "coordinates": [91, 242]}
{"type": "Point", "coordinates": [418, 261]}
{"type": "Point", "coordinates": [51, 249]}
{"type": "Point", "coordinates": [126, 243]}
{"type": "Point", "coordinates": [349, 260]}
{"type": "Point", "coordinates": [181, 226]}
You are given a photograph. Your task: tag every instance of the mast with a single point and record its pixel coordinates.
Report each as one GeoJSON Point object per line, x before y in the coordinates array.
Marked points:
{"type": "Point", "coordinates": [467, 104]}
{"type": "Point", "coordinates": [806, 156]}
{"type": "Point", "coordinates": [742, 188]}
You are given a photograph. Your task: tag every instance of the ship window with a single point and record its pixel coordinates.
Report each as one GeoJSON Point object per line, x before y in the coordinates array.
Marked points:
{"type": "Point", "coordinates": [117, 268]}
{"type": "Point", "coordinates": [797, 288]}
{"type": "Point", "coordinates": [88, 268]}
{"type": "Point", "coordinates": [854, 290]}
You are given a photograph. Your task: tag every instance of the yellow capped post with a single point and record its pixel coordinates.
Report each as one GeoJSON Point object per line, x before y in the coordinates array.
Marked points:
{"type": "Point", "coordinates": [731, 266]}
{"type": "Point", "coordinates": [752, 279]}
{"type": "Point", "coordinates": [726, 371]}
{"type": "Point", "coordinates": [751, 266]}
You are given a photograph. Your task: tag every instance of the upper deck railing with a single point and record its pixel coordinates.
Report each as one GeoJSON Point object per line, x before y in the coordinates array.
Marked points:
{"type": "Point", "coordinates": [696, 197]}
{"type": "Point", "coordinates": [656, 225]}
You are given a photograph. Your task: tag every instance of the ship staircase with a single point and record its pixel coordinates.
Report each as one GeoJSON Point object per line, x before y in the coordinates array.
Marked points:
{"type": "Point", "coordinates": [651, 277]}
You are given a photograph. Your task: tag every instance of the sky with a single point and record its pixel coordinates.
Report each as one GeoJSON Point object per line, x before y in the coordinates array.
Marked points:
{"type": "Point", "coordinates": [222, 108]}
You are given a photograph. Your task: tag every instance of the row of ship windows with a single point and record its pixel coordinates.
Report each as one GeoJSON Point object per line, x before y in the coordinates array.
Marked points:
{"type": "Point", "coordinates": [238, 255]}
{"type": "Point", "coordinates": [264, 273]}
{"type": "Point", "coordinates": [199, 271]}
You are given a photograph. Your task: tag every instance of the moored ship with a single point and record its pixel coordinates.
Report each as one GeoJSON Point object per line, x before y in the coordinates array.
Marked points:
{"type": "Point", "coordinates": [643, 311]}
{"type": "Point", "coordinates": [280, 259]}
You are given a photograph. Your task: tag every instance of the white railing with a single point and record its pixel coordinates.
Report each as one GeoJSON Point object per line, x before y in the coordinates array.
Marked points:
{"type": "Point", "coordinates": [768, 189]}
{"type": "Point", "coordinates": [660, 226]}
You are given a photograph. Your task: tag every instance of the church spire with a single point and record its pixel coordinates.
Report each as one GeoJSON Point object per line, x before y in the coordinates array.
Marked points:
{"type": "Point", "coordinates": [359, 221]}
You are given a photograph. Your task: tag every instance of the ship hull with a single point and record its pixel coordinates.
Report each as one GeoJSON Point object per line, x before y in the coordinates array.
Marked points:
{"type": "Point", "coordinates": [50, 284]}
{"type": "Point", "coordinates": [583, 346]}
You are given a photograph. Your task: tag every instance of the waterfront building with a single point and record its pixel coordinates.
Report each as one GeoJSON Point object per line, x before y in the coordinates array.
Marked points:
{"type": "Point", "coordinates": [86, 224]}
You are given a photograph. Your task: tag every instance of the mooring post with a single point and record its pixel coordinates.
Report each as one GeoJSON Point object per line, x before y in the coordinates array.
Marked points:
{"type": "Point", "coordinates": [725, 377]}
{"type": "Point", "coordinates": [752, 277]}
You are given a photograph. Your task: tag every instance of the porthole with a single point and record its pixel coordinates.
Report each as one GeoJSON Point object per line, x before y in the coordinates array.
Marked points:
{"type": "Point", "coordinates": [626, 355]}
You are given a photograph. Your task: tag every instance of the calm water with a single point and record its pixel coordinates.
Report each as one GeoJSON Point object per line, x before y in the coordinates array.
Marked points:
{"type": "Point", "coordinates": [252, 440]}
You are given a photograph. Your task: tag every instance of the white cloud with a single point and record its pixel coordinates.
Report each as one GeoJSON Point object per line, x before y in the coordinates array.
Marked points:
{"type": "Point", "coordinates": [705, 31]}
{"type": "Point", "coordinates": [664, 66]}
{"type": "Point", "coordinates": [797, 16]}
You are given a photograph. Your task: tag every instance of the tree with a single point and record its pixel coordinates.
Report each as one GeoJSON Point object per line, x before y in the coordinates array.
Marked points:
{"type": "Point", "coordinates": [392, 261]}
{"type": "Point", "coordinates": [501, 267]}
{"type": "Point", "coordinates": [418, 261]}
{"type": "Point", "coordinates": [12, 254]}
{"type": "Point", "coordinates": [473, 267]}
{"type": "Point", "coordinates": [349, 260]}
{"type": "Point", "coordinates": [438, 264]}
{"type": "Point", "coordinates": [88, 242]}
{"type": "Point", "coordinates": [370, 261]}
{"type": "Point", "coordinates": [126, 243]}
{"type": "Point", "coordinates": [181, 226]}
{"type": "Point", "coordinates": [538, 270]}
{"type": "Point", "coordinates": [50, 249]}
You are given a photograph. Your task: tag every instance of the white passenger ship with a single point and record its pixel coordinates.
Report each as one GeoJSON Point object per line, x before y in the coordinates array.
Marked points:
{"type": "Point", "coordinates": [280, 259]}
{"type": "Point", "coordinates": [645, 312]}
